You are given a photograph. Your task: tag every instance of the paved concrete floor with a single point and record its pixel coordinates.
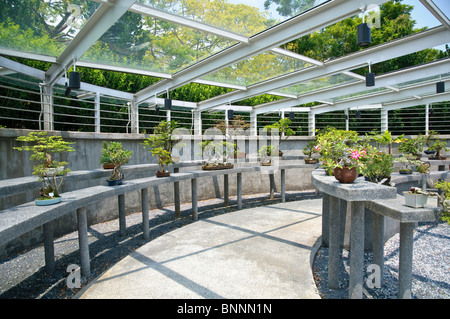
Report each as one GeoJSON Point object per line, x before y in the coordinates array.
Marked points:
{"type": "Point", "coordinates": [262, 252]}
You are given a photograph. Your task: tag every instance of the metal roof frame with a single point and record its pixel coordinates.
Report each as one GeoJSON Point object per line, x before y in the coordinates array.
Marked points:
{"type": "Point", "coordinates": [314, 19]}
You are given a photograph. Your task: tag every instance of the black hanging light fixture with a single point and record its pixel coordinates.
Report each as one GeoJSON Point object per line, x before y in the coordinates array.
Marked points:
{"type": "Point", "coordinates": [74, 79]}
{"type": "Point", "coordinates": [363, 33]}
{"type": "Point", "coordinates": [168, 102]}
{"type": "Point", "coordinates": [370, 78]}
{"type": "Point", "coordinates": [440, 87]}
{"type": "Point", "coordinates": [291, 116]}
{"type": "Point", "coordinates": [230, 114]}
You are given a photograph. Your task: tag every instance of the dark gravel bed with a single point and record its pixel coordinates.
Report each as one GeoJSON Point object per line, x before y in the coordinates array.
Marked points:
{"type": "Point", "coordinates": [23, 276]}
{"type": "Point", "coordinates": [431, 267]}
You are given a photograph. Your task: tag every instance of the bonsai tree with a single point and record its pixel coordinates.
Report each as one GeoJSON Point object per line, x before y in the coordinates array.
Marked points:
{"type": "Point", "coordinates": [50, 171]}
{"type": "Point", "coordinates": [265, 153]}
{"type": "Point", "coordinates": [388, 139]}
{"type": "Point", "coordinates": [309, 150]}
{"type": "Point", "coordinates": [413, 146]}
{"type": "Point", "coordinates": [407, 161]}
{"type": "Point", "coordinates": [217, 153]}
{"type": "Point", "coordinates": [438, 146]}
{"type": "Point", "coordinates": [162, 142]}
{"type": "Point", "coordinates": [377, 166]}
{"type": "Point", "coordinates": [282, 126]}
{"type": "Point", "coordinates": [444, 198]}
{"type": "Point", "coordinates": [116, 155]}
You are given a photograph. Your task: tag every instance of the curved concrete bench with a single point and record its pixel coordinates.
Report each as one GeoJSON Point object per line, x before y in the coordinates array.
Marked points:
{"type": "Point", "coordinates": [21, 219]}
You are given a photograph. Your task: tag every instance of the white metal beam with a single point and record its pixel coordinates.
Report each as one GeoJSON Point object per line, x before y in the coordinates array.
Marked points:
{"type": "Point", "coordinates": [437, 12]}
{"type": "Point", "coordinates": [399, 47]}
{"type": "Point", "coordinates": [303, 24]}
{"type": "Point", "coordinates": [431, 69]}
{"type": "Point", "coordinates": [179, 20]}
{"type": "Point", "coordinates": [385, 98]}
{"type": "Point", "coordinates": [103, 18]}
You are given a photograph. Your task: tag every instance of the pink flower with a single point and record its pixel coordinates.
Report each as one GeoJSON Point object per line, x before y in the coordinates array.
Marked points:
{"type": "Point", "coordinates": [356, 155]}
{"type": "Point", "coordinates": [317, 148]}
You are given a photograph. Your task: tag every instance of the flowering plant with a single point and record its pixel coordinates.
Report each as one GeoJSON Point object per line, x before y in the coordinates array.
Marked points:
{"type": "Point", "coordinates": [348, 155]}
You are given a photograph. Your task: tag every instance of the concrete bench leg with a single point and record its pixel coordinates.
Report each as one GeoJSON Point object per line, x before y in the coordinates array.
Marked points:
{"type": "Point", "coordinates": [325, 219]}
{"type": "Point", "coordinates": [272, 185]}
{"type": "Point", "coordinates": [83, 242]}
{"type": "Point", "coordinates": [334, 251]}
{"type": "Point", "coordinates": [378, 244]}
{"type": "Point", "coordinates": [226, 193]}
{"type": "Point", "coordinates": [356, 251]}
{"type": "Point", "coordinates": [406, 256]}
{"type": "Point", "coordinates": [283, 185]}
{"type": "Point", "coordinates": [239, 190]}
{"type": "Point", "coordinates": [49, 248]}
{"type": "Point", "coordinates": [122, 220]}
{"type": "Point", "coordinates": [194, 199]}
{"type": "Point", "coordinates": [145, 217]}
{"type": "Point", "coordinates": [176, 194]}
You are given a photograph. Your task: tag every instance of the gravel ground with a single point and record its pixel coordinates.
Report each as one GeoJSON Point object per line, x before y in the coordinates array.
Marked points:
{"type": "Point", "coordinates": [23, 276]}
{"type": "Point", "coordinates": [431, 267]}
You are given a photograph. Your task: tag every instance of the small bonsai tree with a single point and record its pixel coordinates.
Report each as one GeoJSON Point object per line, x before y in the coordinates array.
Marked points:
{"type": "Point", "coordinates": [309, 150]}
{"type": "Point", "coordinates": [116, 155]}
{"type": "Point", "coordinates": [265, 153]}
{"type": "Point", "coordinates": [282, 127]}
{"type": "Point", "coordinates": [444, 199]}
{"type": "Point", "coordinates": [162, 142]}
{"type": "Point", "coordinates": [50, 171]}
{"type": "Point", "coordinates": [413, 146]}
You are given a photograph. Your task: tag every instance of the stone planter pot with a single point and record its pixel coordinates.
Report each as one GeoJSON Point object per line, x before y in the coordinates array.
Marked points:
{"type": "Point", "coordinates": [345, 175]}
{"type": "Point", "coordinates": [415, 200]}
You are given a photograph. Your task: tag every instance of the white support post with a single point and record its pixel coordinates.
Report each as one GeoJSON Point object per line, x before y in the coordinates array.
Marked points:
{"type": "Point", "coordinates": [134, 117]}
{"type": "Point", "coordinates": [47, 106]}
{"type": "Point", "coordinates": [197, 122]}
{"type": "Point", "coordinates": [97, 112]}
{"type": "Point", "coordinates": [253, 123]}
{"type": "Point", "coordinates": [427, 118]}
{"type": "Point", "coordinates": [168, 115]}
{"type": "Point", "coordinates": [347, 120]}
{"type": "Point", "coordinates": [384, 120]}
{"type": "Point", "coordinates": [311, 124]}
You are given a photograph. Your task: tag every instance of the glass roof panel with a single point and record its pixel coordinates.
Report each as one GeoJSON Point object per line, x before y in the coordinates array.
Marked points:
{"type": "Point", "coordinates": [140, 42]}
{"type": "Point", "coordinates": [444, 6]}
{"type": "Point", "coordinates": [319, 84]}
{"type": "Point", "coordinates": [257, 69]}
{"type": "Point", "coordinates": [42, 27]}
{"type": "Point", "coordinates": [240, 16]}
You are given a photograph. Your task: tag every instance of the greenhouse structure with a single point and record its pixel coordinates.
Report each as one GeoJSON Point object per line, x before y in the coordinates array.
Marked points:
{"type": "Point", "coordinates": [332, 114]}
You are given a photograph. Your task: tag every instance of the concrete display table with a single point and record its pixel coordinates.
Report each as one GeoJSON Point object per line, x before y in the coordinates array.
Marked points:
{"type": "Point", "coordinates": [21, 219]}
{"type": "Point", "coordinates": [408, 217]}
{"type": "Point", "coordinates": [356, 194]}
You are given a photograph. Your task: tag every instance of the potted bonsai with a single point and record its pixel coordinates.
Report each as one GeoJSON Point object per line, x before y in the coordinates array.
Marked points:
{"type": "Point", "coordinates": [444, 198]}
{"type": "Point", "coordinates": [50, 171]}
{"type": "Point", "coordinates": [416, 197]}
{"type": "Point", "coordinates": [161, 144]}
{"type": "Point", "coordinates": [377, 166]}
{"type": "Point", "coordinates": [282, 127]}
{"type": "Point", "coordinates": [438, 146]}
{"type": "Point", "coordinates": [309, 150]}
{"type": "Point", "coordinates": [265, 154]}
{"type": "Point", "coordinates": [117, 156]}
{"type": "Point", "coordinates": [413, 146]}
{"type": "Point", "coordinates": [105, 159]}
{"type": "Point", "coordinates": [216, 153]}
{"type": "Point", "coordinates": [407, 161]}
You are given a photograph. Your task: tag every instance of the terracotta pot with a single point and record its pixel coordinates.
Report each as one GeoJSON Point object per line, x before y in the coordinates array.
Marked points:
{"type": "Point", "coordinates": [345, 175]}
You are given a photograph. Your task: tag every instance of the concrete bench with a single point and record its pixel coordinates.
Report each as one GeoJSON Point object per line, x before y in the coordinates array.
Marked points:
{"type": "Point", "coordinates": [21, 219]}
{"type": "Point", "coordinates": [408, 217]}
